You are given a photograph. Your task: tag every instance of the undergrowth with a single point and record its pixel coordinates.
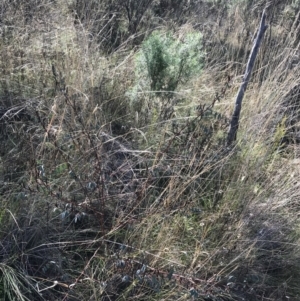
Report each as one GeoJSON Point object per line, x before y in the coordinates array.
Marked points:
{"type": "Point", "coordinates": [115, 179]}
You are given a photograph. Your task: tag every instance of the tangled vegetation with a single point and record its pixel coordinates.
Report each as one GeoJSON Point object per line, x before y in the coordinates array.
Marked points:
{"type": "Point", "coordinates": [115, 179]}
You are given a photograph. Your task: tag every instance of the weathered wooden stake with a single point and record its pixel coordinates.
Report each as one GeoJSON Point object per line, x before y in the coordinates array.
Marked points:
{"type": "Point", "coordinates": [234, 123]}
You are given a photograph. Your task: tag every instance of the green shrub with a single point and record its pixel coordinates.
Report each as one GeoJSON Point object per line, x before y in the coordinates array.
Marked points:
{"type": "Point", "coordinates": [162, 64]}
{"type": "Point", "coordinates": [165, 61]}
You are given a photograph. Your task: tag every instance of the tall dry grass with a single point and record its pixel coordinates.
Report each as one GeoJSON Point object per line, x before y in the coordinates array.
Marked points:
{"type": "Point", "coordinates": [96, 207]}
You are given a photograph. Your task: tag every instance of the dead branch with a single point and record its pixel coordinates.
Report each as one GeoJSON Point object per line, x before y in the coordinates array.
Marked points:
{"type": "Point", "coordinates": [234, 124]}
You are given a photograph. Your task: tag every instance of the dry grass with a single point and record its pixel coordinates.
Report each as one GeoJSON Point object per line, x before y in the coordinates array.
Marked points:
{"type": "Point", "coordinates": [98, 204]}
